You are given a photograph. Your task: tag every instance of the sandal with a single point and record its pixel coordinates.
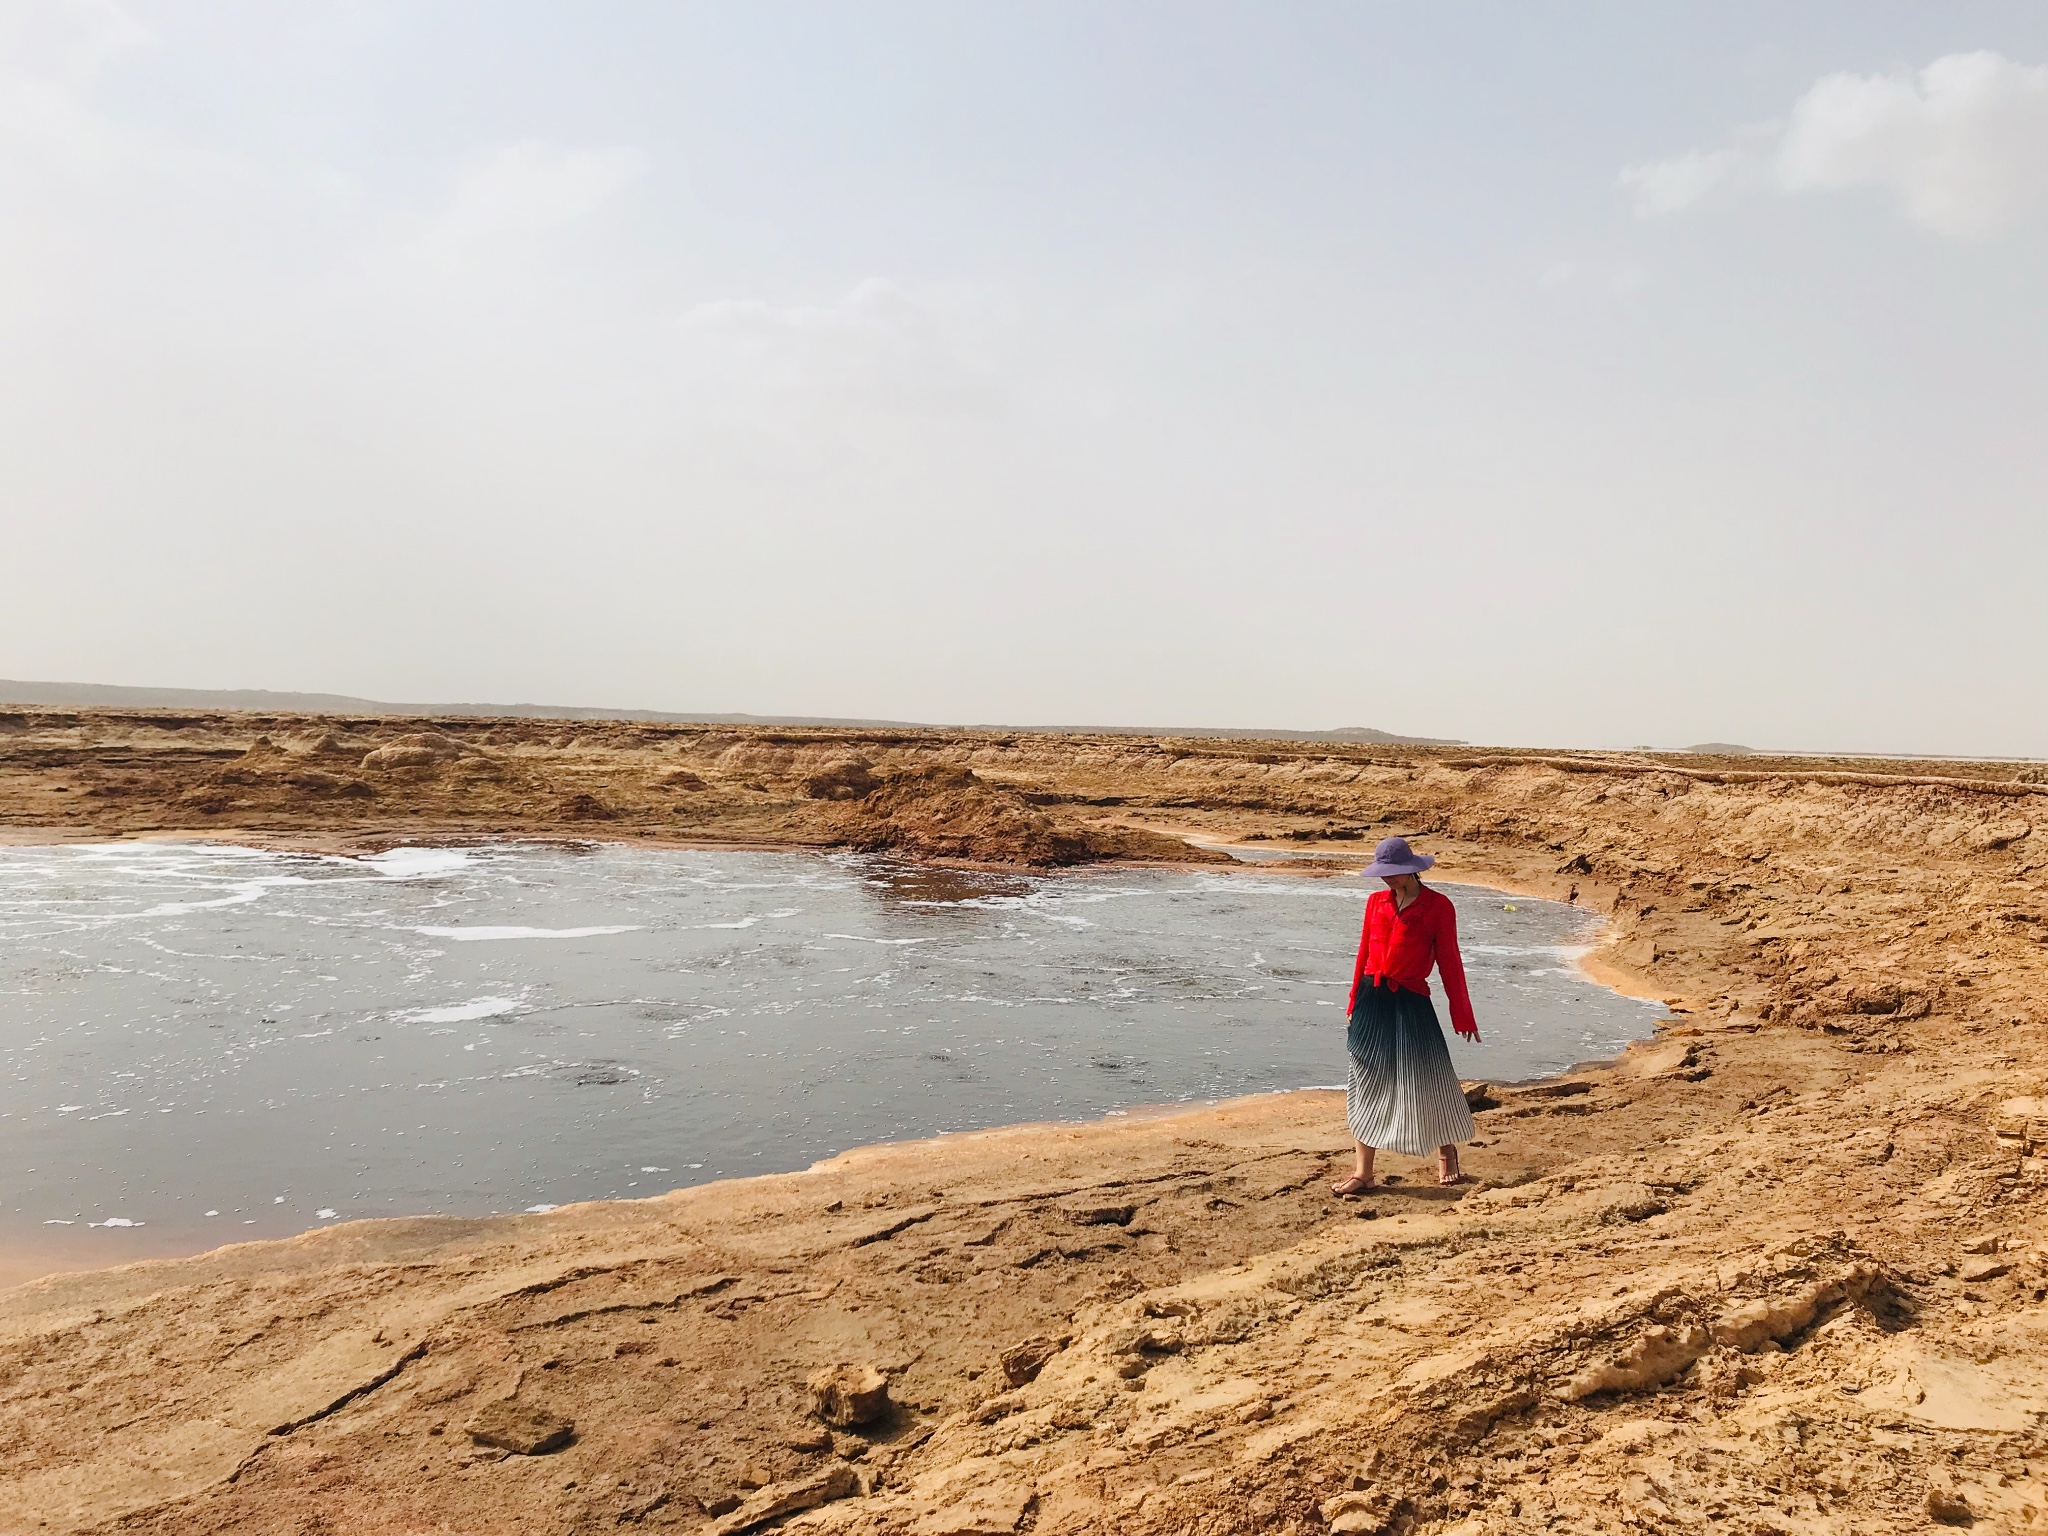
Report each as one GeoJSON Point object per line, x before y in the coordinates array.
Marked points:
{"type": "Point", "coordinates": [1352, 1185]}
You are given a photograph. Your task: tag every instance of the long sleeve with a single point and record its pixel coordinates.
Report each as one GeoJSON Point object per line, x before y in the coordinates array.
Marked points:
{"type": "Point", "coordinates": [1451, 966]}
{"type": "Point", "coordinates": [1358, 967]}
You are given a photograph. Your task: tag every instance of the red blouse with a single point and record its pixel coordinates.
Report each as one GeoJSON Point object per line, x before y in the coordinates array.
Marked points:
{"type": "Point", "coordinates": [1399, 947]}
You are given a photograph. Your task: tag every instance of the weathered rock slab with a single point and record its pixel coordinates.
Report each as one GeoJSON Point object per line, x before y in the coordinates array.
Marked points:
{"type": "Point", "coordinates": [848, 1395]}
{"type": "Point", "coordinates": [524, 1429]}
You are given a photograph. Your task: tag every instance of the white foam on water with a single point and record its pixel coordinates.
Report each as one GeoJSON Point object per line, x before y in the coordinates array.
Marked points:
{"type": "Point", "coordinates": [1065, 918]}
{"type": "Point", "coordinates": [461, 1013]}
{"type": "Point", "coordinates": [758, 917]}
{"type": "Point", "coordinates": [474, 935]}
{"type": "Point", "coordinates": [116, 1221]}
{"type": "Point", "coordinates": [868, 938]}
{"type": "Point", "coordinates": [416, 863]}
{"type": "Point", "coordinates": [244, 893]}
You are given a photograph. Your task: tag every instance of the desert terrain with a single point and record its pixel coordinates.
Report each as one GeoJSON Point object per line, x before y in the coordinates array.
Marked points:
{"type": "Point", "coordinates": [1783, 1269]}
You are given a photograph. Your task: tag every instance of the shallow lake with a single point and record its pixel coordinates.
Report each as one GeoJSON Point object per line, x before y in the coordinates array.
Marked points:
{"type": "Point", "coordinates": [202, 1044]}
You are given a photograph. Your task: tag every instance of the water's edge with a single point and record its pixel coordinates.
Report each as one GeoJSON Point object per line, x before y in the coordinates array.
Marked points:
{"type": "Point", "coordinates": [26, 1261]}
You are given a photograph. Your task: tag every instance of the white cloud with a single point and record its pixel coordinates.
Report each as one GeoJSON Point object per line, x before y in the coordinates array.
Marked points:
{"type": "Point", "coordinates": [1670, 186]}
{"type": "Point", "coordinates": [1962, 145]}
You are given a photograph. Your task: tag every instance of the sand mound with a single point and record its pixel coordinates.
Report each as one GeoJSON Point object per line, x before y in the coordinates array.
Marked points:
{"type": "Point", "coordinates": [848, 778]}
{"type": "Point", "coordinates": [418, 749]}
{"type": "Point", "coordinates": [947, 812]}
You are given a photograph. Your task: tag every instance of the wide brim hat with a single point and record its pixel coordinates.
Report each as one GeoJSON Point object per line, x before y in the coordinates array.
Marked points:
{"type": "Point", "coordinates": [1395, 857]}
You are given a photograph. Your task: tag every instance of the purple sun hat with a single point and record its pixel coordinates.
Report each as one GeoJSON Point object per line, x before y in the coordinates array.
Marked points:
{"type": "Point", "coordinates": [1395, 857]}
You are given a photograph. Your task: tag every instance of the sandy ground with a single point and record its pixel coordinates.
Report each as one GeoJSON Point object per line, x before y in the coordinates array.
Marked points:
{"type": "Point", "coordinates": [1783, 1269]}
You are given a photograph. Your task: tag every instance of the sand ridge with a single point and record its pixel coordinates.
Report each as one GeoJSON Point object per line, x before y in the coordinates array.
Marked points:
{"type": "Point", "coordinates": [1784, 1268]}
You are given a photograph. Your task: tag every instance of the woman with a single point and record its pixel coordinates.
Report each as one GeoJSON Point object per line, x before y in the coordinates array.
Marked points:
{"type": "Point", "coordinates": [1403, 1092]}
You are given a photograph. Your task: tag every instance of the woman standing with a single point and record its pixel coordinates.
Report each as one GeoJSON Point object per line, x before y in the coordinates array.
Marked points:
{"type": "Point", "coordinates": [1403, 1091]}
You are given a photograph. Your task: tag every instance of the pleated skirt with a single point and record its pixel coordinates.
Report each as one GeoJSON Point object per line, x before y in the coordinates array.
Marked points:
{"type": "Point", "coordinates": [1403, 1094]}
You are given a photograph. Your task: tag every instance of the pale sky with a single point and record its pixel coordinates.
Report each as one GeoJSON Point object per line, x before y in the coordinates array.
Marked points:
{"type": "Point", "coordinates": [1589, 374]}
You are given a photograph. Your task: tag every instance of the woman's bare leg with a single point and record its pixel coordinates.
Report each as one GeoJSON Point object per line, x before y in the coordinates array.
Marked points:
{"type": "Point", "coordinates": [1360, 1177]}
{"type": "Point", "coordinates": [1447, 1171]}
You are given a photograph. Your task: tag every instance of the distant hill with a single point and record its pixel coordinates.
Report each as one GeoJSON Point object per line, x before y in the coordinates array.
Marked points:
{"type": "Point", "coordinates": [1233, 733]}
{"type": "Point", "coordinates": [267, 701]}
{"type": "Point", "coordinates": [1721, 749]}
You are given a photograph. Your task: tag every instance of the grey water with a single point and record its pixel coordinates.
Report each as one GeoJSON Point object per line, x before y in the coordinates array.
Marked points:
{"type": "Point", "coordinates": [201, 1044]}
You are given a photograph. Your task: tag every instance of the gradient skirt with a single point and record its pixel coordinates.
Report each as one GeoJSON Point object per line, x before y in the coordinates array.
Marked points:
{"type": "Point", "coordinates": [1403, 1094]}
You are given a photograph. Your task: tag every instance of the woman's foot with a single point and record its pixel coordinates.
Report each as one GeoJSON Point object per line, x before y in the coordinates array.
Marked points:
{"type": "Point", "coordinates": [1447, 1170]}
{"type": "Point", "coordinates": [1353, 1184]}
